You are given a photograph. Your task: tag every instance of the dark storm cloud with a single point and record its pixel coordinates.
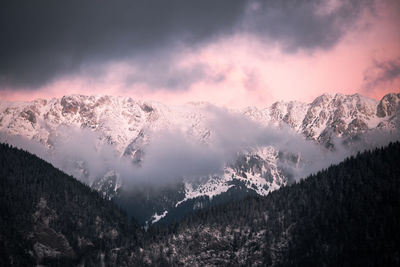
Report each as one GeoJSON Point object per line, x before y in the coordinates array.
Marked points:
{"type": "Point", "coordinates": [312, 24]}
{"type": "Point", "coordinates": [43, 40]}
{"type": "Point", "coordinates": [381, 73]}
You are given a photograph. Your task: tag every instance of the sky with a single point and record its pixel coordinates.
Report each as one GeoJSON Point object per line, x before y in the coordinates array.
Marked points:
{"type": "Point", "coordinates": [230, 53]}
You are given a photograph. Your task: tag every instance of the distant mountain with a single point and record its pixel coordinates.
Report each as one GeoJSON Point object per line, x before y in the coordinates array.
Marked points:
{"type": "Point", "coordinates": [48, 218]}
{"type": "Point", "coordinates": [347, 215]}
{"type": "Point", "coordinates": [127, 126]}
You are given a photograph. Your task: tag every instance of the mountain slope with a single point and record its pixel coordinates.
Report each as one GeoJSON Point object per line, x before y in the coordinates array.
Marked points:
{"type": "Point", "coordinates": [48, 217]}
{"type": "Point", "coordinates": [347, 215]}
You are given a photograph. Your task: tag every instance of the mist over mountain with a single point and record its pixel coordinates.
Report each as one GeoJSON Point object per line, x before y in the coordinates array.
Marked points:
{"type": "Point", "coordinates": [197, 152]}
{"type": "Point", "coordinates": [345, 215]}
{"type": "Point", "coordinates": [199, 133]}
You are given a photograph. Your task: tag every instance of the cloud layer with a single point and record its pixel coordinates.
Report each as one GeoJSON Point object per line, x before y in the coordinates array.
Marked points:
{"type": "Point", "coordinates": [173, 154]}
{"type": "Point", "coordinates": [382, 73]}
{"type": "Point", "coordinates": [44, 41]}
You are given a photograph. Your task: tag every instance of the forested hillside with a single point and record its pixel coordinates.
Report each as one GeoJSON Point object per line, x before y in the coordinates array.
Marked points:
{"type": "Point", "coordinates": [50, 218]}
{"type": "Point", "coordinates": [347, 215]}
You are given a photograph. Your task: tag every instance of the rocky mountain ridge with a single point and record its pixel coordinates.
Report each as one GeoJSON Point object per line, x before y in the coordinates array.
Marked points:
{"type": "Point", "coordinates": [126, 125]}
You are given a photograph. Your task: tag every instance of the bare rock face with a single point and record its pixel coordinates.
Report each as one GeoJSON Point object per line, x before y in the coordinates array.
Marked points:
{"type": "Point", "coordinates": [69, 105]}
{"type": "Point", "coordinates": [147, 108]}
{"type": "Point", "coordinates": [48, 243]}
{"type": "Point", "coordinates": [388, 106]}
{"type": "Point", "coordinates": [278, 110]}
{"type": "Point", "coordinates": [295, 114]}
{"type": "Point", "coordinates": [356, 126]}
{"type": "Point", "coordinates": [316, 116]}
{"type": "Point", "coordinates": [135, 149]}
{"type": "Point", "coordinates": [29, 115]}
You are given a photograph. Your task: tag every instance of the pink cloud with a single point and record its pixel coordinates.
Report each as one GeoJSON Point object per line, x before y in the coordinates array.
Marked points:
{"type": "Point", "coordinates": [254, 72]}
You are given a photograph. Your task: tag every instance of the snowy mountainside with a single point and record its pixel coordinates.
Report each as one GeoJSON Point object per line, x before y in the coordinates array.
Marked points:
{"type": "Point", "coordinates": [127, 125]}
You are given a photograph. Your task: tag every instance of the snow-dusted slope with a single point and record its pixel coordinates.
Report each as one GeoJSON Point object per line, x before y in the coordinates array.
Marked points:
{"type": "Point", "coordinates": [126, 125]}
{"type": "Point", "coordinates": [343, 115]}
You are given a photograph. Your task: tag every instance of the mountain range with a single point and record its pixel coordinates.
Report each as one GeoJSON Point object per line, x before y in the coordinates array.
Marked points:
{"type": "Point", "coordinates": [122, 147]}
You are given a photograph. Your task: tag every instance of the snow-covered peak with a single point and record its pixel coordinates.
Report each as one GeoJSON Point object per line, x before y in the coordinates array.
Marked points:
{"type": "Point", "coordinates": [120, 120]}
